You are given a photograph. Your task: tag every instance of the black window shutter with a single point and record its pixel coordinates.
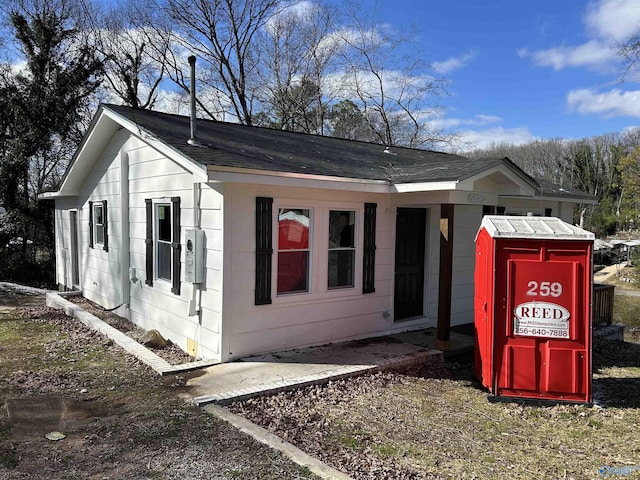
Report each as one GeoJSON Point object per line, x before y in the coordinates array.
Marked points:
{"type": "Point", "coordinates": [105, 216]}
{"type": "Point", "coordinates": [91, 224]}
{"type": "Point", "coordinates": [264, 249]}
{"type": "Point", "coordinates": [149, 242]}
{"type": "Point", "coordinates": [175, 245]}
{"type": "Point", "coordinates": [369, 254]}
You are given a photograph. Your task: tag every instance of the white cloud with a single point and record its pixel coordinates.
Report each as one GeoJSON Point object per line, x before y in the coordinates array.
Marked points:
{"type": "Point", "coordinates": [613, 103]}
{"type": "Point", "coordinates": [19, 68]}
{"type": "Point", "coordinates": [482, 120]}
{"type": "Point", "coordinates": [396, 84]}
{"type": "Point", "coordinates": [298, 10]}
{"type": "Point", "coordinates": [615, 19]}
{"type": "Point", "coordinates": [607, 23]}
{"type": "Point", "coordinates": [481, 131]}
{"type": "Point", "coordinates": [484, 138]}
{"type": "Point", "coordinates": [593, 54]}
{"type": "Point", "coordinates": [454, 63]}
{"type": "Point", "coordinates": [479, 120]}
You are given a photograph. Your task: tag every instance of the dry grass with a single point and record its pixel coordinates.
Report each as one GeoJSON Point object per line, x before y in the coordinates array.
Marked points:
{"type": "Point", "coordinates": [626, 278]}
{"type": "Point", "coordinates": [415, 426]}
{"type": "Point", "coordinates": [380, 426]}
{"type": "Point", "coordinates": [424, 427]}
{"type": "Point", "coordinates": [120, 419]}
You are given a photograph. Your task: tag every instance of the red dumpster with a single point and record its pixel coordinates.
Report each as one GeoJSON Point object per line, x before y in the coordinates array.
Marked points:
{"type": "Point", "coordinates": [533, 284]}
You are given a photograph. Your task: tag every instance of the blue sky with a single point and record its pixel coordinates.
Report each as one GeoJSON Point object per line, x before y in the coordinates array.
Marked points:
{"type": "Point", "coordinates": [521, 70]}
{"type": "Point", "coordinates": [525, 70]}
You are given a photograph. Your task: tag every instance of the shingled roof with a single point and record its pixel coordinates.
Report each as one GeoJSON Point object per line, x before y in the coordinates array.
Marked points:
{"type": "Point", "coordinates": [258, 148]}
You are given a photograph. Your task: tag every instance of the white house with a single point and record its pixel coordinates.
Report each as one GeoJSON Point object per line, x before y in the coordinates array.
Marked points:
{"type": "Point", "coordinates": [247, 240]}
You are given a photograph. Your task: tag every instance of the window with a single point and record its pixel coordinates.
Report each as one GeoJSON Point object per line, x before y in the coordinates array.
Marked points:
{"type": "Point", "coordinates": [98, 234]}
{"type": "Point", "coordinates": [342, 251]}
{"type": "Point", "coordinates": [163, 242]}
{"type": "Point", "coordinates": [285, 240]}
{"type": "Point", "coordinates": [488, 210]}
{"type": "Point", "coordinates": [98, 224]}
{"type": "Point", "coordinates": [293, 250]}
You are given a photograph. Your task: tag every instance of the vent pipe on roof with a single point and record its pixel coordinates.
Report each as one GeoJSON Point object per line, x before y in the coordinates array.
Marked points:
{"type": "Point", "coordinates": [192, 116]}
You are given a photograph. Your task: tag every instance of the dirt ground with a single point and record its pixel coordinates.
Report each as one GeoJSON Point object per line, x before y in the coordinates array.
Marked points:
{"type": "Point", "coordinates": [171, 352]}
{"type": "Point", "coordinates": [389, 426]}
{"type": "Point", "coordinates": [119, 419]}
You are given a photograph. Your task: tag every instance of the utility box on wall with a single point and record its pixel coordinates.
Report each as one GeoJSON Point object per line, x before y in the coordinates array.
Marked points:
{"type": "Point", "coordinates": [532, 305]}
{"type": "Point", "coordinates": [194, 256]}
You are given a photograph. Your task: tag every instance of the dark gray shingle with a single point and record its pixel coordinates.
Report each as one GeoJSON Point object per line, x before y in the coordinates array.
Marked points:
{"type": "Point", "coordinates": [241, 146]}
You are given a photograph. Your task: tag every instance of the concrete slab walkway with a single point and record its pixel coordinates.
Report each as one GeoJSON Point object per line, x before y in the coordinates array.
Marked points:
{"type": "Point", "coordinates": [275, 372]}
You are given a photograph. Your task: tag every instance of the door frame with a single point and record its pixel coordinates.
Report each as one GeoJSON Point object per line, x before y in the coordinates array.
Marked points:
{"type": "Point", "coordinates": [422, 263]}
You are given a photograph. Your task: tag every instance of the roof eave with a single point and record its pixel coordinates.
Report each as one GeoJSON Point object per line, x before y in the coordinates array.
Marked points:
{"type": "Point", "coordinates": [558, 198]}
{"type": "Point", "coordinates": [241, 175]}
{"type": "Point", "coordinates": [443, 185]}
{"type": "Point", "coordinates": [244, 175]}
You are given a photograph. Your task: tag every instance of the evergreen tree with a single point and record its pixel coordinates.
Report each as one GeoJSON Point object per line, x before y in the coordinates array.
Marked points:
{"type": "Point", "coordinates": [43, 107]}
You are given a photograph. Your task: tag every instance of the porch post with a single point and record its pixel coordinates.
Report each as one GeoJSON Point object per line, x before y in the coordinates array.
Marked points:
{"type": "Point", "coordinates": [445, 278]}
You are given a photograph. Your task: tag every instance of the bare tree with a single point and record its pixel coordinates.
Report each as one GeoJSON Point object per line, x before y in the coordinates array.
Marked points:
{"type": "Point", "coordinates": [590, 165]}
{"type": "Point", "coordinates": [42, 105]}
{"type": "Point", "coordinates": [395, 91]}
{"type": "Point", "coordinates": [542, 159]}
{"type": "Point", "coordinates": [299, 49]}
{"type": "Point", "coordinates": [221, 33]}
{"type": "Point", "coordinates": [134, 56]}
{"type": "Point", "coordinates": [629, 51]}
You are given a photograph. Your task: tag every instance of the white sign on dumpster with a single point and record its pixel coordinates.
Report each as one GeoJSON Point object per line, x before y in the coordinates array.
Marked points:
{"type": "Point", "coordinates": [541, 319]}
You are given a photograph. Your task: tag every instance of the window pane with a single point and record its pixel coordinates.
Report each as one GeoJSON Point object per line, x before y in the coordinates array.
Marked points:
{"type": "Point", "coordinates": [341, 227]}
{"type": "Point", "coordinates": [293, 272]}
{"type": "Point", "coordinates": [97, 214]}
{"type": "Point", "coordinates": [164, 223]}
{"type": "Point", "coordinates": [293, 229]}
{"type": "Point", "coordinates": [341, 248]}
{"type": "Point", "coordinates": [164, 260]}
{"type": "Point", "coordinates": [98, 224]}
{"type": "Point", "coordinates": [100, 234]}
{"type": "Point", "coordinates": [341, 264]}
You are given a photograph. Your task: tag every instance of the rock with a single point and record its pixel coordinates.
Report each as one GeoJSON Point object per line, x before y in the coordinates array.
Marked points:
{"type": "Point", "coordinates": [153, 339]}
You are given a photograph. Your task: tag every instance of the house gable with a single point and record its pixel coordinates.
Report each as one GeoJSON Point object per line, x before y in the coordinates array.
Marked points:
{"type": "Point", "coordinates": [504, 178]}
{"type": "Point", "coordinates": [104, 126]}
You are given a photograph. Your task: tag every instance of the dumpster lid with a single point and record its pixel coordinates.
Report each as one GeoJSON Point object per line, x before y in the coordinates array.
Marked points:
{"type": "Point", "coordinates": [533, 227]}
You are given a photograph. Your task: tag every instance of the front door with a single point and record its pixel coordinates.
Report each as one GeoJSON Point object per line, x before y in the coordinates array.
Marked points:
{"type": "Point", "coordinates": [409, 273]}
